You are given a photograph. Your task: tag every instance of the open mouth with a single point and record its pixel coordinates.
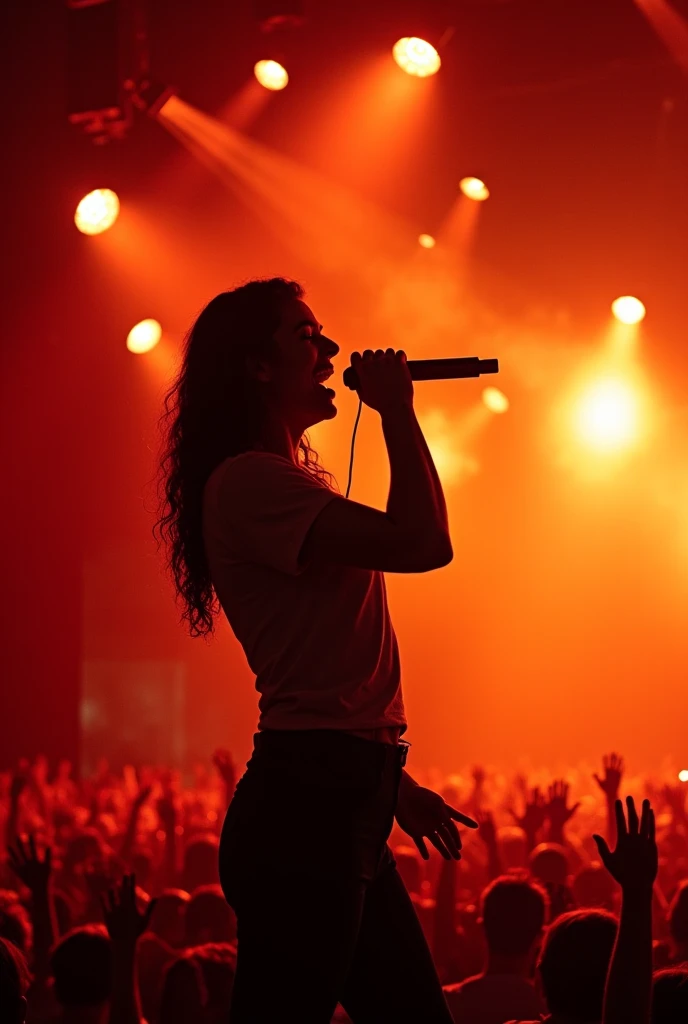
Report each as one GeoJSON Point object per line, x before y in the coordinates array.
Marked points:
{"type": "Point", "coordinates": [321, 375]}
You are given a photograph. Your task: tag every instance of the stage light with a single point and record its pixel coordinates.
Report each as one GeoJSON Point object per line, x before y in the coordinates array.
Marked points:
{"type": "Point", "coordinates": [426, 241]}
{"type": "Point", "coordinates": [683, 775]}
{"type": "Point", "coordinates": [144, 336]}
{"type": "Point", "coordinates": [607, 415]}
{"type": "Point", "coordinates": [495, 400]}
{"type": "Point", "coordinates": [474, 188]}
{"type": "Point", "coordinates": [416, 57]}
{"type": "Point", "coordinates": [628, 310]}
{"type": "Point", "coordinates": [97, 211]}
{"type": "Point", "coordinates": [271, 75]}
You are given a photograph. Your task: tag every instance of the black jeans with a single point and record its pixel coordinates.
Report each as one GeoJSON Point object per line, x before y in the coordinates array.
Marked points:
{"type": "Point", "coordinates": [322, 914]}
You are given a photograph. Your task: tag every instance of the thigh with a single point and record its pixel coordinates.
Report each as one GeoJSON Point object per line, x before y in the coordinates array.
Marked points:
{"type": "Point", "coordinates": [295, 948]}
{"type": "Point", "coordinates": [392, 977]}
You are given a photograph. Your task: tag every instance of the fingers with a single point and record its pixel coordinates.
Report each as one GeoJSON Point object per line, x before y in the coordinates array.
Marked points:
{"type": "Point", "coordinates": [603, 850]}
{"type": "Point", "coordinates": [449, 834]}
{"type": "Point", "coordinates": [621, 829]}
{"type": "Point", "coordinates": [422, 848]}
{"type": "Point", "coordinates": [632, 816]}
{"type": "Point", "coordinates": [645, 819]}
{"type": "Point", "coordinates": [463, 818]}
{"type": "Point", "coordinates": [651, 825]}
{"type": "Point", "coordinates": [32, 846]}
{"type": "Point", "coordinates": [149, 913]}
{"type": "Point", "coordinates": [439, 844]}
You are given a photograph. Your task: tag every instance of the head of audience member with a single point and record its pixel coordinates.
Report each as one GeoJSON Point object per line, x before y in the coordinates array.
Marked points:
{"type": "Point", "coordinates": [14, 983]}
{"type": "Point", "coordinates": [209, 918]}
{"type": "Point", "coordinates": [678, 923]}
{"type": "Point", "coordinates": [514, 913]}
{"type": "Point", "coordinates": [670, 996]}
{"type": "Point", "coordinates": [15, 924]}
{"type": "Point", "coordinates": [217, 963]}
{"type": "Point", "coordinates": [593, 887]}
{"type": "Point", "coordinates": [408, 866]}
{"type": "Point", "coordinates": [574, 963]}
{"type": "Point", "coordinates": [183, 992]}
{"type": "Point", "coordinates": [81, 967]}
{"type": "Point", "coordinates": [200, 863]}
{"type": "Point", "coordinates": [513, 848]}
{"type": "Point", "coordinates": [549, 865]}
{"type": "Point", "coordinates": [83, 849]}
{"type": "Point", "coordinates": [168, 918]}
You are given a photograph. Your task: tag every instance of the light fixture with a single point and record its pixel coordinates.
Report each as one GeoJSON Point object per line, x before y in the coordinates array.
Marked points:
{"type": "Point", "coordinates": [97, 211]}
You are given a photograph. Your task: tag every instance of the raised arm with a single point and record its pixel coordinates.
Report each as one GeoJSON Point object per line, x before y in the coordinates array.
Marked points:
{"type": "Point", "coordinates": [412, 535]}
{"type": "Point", "coordinates": [36, 874]}
{"type": "Point", "coordinates": [634, 866]}
{"type": "Point", "coordinates": [609, 783]}
{"type": "Point", "coordinates": [125, 924]}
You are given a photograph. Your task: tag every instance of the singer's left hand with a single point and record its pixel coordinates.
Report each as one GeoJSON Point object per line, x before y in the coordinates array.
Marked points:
{"type": "Point", "coordinates": [423, 815]}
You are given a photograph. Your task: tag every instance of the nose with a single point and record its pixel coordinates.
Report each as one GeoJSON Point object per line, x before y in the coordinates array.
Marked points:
{"type": "Point", "coordinates": [330, 347]}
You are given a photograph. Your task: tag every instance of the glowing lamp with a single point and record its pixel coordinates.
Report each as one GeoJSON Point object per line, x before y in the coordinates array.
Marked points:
{"type": "Point", "coordinates": [683, 775]}
{"type": "Point", "coordinates": [416, 57]}
{"type": "Point", "coordinates": [474, 188]}
{"type": "Point", "coordinates": [271, 75]}
{"type": "Point", "coordinates": [426, 241]}
{"type": "Point", "coordinates": [607, 415]}
{"type": "Point", "coordinates": [495, 400]}
{"type": "Point", "coordinates": [628, 310]}
{"type": "Point", "coordinates": [144, 336]}
{"type": "Point", "coordinates": [97, 211]}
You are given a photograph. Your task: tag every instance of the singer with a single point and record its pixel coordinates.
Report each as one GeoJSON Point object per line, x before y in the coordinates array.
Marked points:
{"type": "Point", "coordinates": [255, 527]}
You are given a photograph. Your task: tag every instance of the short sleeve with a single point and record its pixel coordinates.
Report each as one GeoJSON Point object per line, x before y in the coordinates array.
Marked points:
{"type": "Point", "coordinates": [267, 505]}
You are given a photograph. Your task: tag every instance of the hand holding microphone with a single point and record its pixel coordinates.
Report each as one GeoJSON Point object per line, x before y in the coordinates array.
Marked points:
{"type": "Point", "coordinates": [433, 369]}
{"type": "Point", "coordinates": [382, 379]}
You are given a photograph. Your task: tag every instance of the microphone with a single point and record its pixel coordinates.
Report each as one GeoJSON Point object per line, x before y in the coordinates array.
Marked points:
{"type": "Point", "coordinates": [437, 369]}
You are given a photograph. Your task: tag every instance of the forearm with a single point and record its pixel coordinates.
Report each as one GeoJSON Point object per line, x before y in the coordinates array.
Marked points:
{"type": "Point", "coordinates": [44, 925]}
{"type": "Point", "coordinates": [629, 983]}
{"type": "Point", "coordinates": [125, 1007]}
{"type": "Point", "coordinates": [416, 500]}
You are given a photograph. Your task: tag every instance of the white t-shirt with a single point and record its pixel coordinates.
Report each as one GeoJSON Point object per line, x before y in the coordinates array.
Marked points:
{"type": "Point", "coordinates": [318, 637]}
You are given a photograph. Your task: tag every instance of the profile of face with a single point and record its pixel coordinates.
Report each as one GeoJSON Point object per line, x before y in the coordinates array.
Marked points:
{"type": "Point", "coordinates": [293, 376]}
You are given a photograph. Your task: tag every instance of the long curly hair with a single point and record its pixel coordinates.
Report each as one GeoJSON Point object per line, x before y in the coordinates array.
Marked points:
{"type": "Point", "coordinates": [211, 412]}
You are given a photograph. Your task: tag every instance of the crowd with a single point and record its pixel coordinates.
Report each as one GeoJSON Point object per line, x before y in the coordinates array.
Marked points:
{"type": "Point", "coordinates": [562, 903]}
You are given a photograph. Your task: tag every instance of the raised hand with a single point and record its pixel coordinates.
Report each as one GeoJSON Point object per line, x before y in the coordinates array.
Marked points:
{"type": "Point", "coordinates": [533, 817]}
{"type": "Point", "coordinates": [557, 810]}
{"type": "Point", "coordinates": [123, 919]}
{"type": "Point", "coordinates": [488, 831]}
{"type": "Point", "coordinates": [28, 866]}
{"type": "Point", "coordinates": [423, 815]}
{"type": "Point", "coordinates": [610, 782]}
{"type": "Point", "coordinates": [634, 861]}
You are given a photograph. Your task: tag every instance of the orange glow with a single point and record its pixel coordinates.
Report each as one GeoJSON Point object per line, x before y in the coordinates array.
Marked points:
{"type": "Point", "coordinates": [683, 775]}
{"type": "Point", "coordinates": [416, 57]}
{"type": "Point", "coordinates": [426, 241]}
{"type": "Point", "coordinates": [475, 189]}
{"type": "Point", "coordinates": [628, 310]}
{"type": "Point", "coordinates": [97, 211]}
{"type": "Point", "coordinates": [271, 75]}
{"type": "Point", "coordinates": [607, 415]}
{"type": "Point", "coordinates": [495, 400]}
{"type": "Point", "coordinates": [144, 336]}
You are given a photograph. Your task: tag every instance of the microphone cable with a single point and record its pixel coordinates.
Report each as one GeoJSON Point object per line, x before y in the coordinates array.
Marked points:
{"type": "Point", "coordinates": [353, 442]}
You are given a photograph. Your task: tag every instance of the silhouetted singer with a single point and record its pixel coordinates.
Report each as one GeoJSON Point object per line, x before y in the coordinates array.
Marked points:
{"type": "Point", "coordinates": [256, 527]}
